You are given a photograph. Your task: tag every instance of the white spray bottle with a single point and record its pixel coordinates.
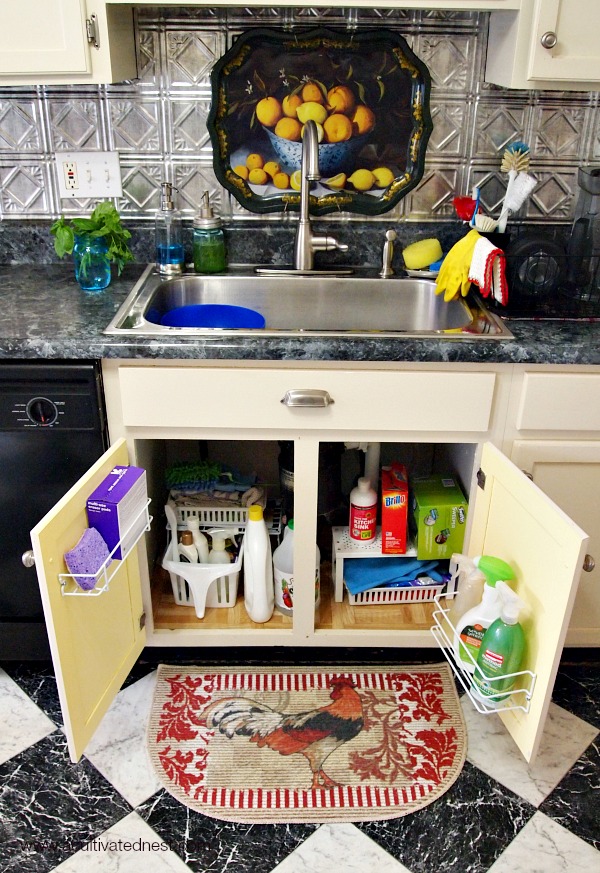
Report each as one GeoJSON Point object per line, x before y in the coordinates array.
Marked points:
{"type": "Point", "coordinates": [218, 554]}
{"type": "Point", "coordinates": [469, 581]}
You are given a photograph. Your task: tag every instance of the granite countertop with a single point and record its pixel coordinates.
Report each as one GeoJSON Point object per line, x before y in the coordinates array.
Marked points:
{"type": "Point", "coordinates": [46, 315]}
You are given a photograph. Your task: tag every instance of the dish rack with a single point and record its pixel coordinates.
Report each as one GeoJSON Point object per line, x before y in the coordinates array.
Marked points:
{"type": "Point", "coordinates": [345, 547]}
{"type": "Point", "coordinates": [524, 681]}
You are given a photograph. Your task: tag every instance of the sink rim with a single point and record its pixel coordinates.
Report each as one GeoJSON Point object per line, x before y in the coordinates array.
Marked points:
{"type": "Point", "coordinates": [131, 313]}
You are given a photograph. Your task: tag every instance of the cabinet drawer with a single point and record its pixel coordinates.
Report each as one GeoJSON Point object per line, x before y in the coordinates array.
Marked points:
{"type": "Point", "coordinates": [361, 400]}
{"type": "Point", "coordinates": [560, 401]}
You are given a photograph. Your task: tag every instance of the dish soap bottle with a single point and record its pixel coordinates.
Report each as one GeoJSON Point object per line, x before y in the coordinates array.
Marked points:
{"type": "Point", "coordinates": [259, 594]}
{"type": "Point", "coordinates": [168, 235]}
{"type": "Point", "coordinates": [209, 241]}
{"type": "Point", "coordinates": [473, 624]}
{"type": "Point", "coordinates": [502, 651]}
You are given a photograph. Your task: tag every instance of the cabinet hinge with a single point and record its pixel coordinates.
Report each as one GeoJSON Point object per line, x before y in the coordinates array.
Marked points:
{"type": "Point", "coordinates": [481, 479]}
{"type": "Point", "coordinates": [142, 620]}
{"type": "Point", "coordinates": [93, 35]}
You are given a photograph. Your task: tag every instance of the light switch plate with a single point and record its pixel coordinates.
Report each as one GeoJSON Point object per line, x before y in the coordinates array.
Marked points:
{"type": "Point", "coordinates": [88, 174]}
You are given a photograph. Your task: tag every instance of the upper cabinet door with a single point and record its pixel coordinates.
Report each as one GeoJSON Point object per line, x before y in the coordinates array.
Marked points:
{"type": "Point", "coordinates": [94, 640]}
{"type": "Point", "coordinates": [573, 25]}
{"type": "Point", "coordinates": [516, 521]}
{"type": "Point", "coordinates": [43, 36]}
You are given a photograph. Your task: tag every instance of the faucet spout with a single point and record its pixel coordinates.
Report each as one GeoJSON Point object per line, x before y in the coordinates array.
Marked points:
{"type": "Point", "coordinates": [306, 242]}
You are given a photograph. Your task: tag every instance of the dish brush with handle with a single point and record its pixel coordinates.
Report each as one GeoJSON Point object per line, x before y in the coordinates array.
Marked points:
{"type": "Point", "coordinates": [515, 162]}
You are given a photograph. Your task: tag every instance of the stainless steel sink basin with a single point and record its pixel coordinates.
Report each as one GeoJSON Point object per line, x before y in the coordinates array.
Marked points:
{"type": "Point", "coordinates": [316, 305]}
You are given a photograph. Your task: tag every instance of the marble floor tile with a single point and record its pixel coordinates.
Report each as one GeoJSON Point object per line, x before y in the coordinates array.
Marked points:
{"type": "Point", "coordinates": [339, 847]}
{"type": "Point", "coordinates": [127, 847]}
{"type": "Point", "coordinates": [543, 846]}
{"type": "Point", "coordinates": [118, 747]}
{"type": "Point", "coordinates": [209, 844]}
{"type": "Point", "coordinates": [50, 808]}
{"type": "Point", "coordinates": [574, 803]}
{"type": "Point", "coordinates": [492, 749]}
{"type": "Point", "coordinates": [39, 683]}
{"type": "Point", "coordinates": [577, 688]}
{"type": "Point", "coordinates": [23, 722]}
{"type": "Point", "coordinates": [464, 831]}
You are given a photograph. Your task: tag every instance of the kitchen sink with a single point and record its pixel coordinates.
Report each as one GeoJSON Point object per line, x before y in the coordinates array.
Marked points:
{"type": "Point", "coordinates": [300, 305]}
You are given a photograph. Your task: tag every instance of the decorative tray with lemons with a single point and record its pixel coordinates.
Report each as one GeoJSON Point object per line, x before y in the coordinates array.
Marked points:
{"type": "Point", "coordinates": [366, 91]}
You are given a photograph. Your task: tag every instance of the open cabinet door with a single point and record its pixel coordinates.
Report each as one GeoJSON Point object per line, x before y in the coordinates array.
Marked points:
{"type": "Point", "coordinates": [94, 640]}
{"type": "Point", "coordinates": [514, 520]}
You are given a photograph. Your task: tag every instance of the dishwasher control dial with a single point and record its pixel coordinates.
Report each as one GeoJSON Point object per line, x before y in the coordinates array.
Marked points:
{"type": "Point", "coordinates": [42, 411]}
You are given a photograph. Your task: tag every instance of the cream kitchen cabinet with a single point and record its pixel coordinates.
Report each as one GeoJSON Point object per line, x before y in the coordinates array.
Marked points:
{"type": "Point", "coordinates": [548, 44]}
{"type": "Point", "coordinates": [556, 415]}
{"type": "Point", "coordinates": [456, 413]}
{"type": "Point", "coordinates": [49, 42]}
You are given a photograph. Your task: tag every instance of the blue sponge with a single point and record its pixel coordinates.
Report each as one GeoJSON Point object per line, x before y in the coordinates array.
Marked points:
{"type": "Point", "coordinates": [87, 557]}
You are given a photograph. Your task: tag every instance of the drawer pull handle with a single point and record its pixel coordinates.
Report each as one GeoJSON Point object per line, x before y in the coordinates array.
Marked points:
{"type": "Point", "coordinates": [588, 563]}
{"type": "Point", "coordinates": [549, 39]}
{"type": "Point", "coordinates": [314, 398]}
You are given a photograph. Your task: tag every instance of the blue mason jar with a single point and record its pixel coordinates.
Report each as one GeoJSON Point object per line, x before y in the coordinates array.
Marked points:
{"type": "Point", "coordinates": [92, 267]}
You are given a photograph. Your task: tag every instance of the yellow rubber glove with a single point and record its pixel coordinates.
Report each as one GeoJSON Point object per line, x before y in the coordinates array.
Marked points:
{"type": "Point", "coordinates": [453, 278]}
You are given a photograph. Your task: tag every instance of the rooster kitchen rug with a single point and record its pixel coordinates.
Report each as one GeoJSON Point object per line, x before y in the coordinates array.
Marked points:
{"type": "Point", "coordinates": [299, 745]}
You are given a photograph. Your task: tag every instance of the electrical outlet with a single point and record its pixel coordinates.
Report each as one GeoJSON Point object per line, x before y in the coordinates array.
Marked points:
{"type": "Point", "coordinates": [70, 171]}
{"type": "Point", "coordinates": [88, 174]}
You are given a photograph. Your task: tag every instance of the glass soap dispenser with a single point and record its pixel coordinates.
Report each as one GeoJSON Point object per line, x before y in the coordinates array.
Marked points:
{"type": "Point", "coordinates": [169, 236]}
{"type": "Point", "coordinates": [209, 241]}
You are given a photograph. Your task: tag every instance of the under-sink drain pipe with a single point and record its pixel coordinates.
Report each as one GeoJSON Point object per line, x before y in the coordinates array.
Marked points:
{"type": "Point", "coordinates": [372, 452]}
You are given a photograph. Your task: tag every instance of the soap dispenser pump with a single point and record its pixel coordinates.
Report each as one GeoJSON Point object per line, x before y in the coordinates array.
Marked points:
{"type": "Point", "coordinates": [168, 235]}
{"type": "Point", "coordinates": [209, 241]}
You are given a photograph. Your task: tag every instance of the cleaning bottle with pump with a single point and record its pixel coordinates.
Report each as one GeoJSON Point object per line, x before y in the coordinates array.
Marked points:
{"type": "Point", "coordinates": [168, 235]}
{"type": "Point", "coordinates": [200, 540]}
{"type": "Point", "coordinates": [502, 651]}
{"type": "Point", "coordinates": [259, 594]}
{"type": "Point", "coordinates": [473, 624]}
{"type": "Point", "coordinates": [470, 582]}
{"type": "Point", "coordinates": [209, 241]}
{"type": "Point", "coordinates": [218, 554]}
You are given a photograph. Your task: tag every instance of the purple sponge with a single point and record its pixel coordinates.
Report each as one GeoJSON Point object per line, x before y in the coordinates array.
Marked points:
{"type": "Point", "coordinates": [87, 557]}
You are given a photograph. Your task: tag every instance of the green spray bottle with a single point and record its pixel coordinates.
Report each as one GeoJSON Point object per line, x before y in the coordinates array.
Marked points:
{"type": "Point", "coordinates": [471, 627]}
{"type": "Point", "coordinates": [502, 651]}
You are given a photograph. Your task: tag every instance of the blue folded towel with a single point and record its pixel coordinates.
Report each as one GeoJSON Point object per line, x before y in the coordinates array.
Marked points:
{"type": "Point", "coordinates": [363, 573]}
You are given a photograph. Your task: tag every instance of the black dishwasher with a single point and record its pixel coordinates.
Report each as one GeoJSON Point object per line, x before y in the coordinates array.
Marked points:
{"type": "Point", "coordinates": [52, 429]}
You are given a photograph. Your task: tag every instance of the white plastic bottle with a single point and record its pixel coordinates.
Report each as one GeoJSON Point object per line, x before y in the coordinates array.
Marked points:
{"type": "Point", "coordinates": [470, 582]}
{"type": "Point", "coordinates": [188, 553]}
{"type": "Point", "coordinates": [363, 511]}
{"type": "Point", "coordinates": [259, 595]}
{"type": "Point", "coordinates": [200, 540]}
{"type": "Point", "coordinates": [283, 572]}
{"type": "Point", "coordinates": [218, 554]}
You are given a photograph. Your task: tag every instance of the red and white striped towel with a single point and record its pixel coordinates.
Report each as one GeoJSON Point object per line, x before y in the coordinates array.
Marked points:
{"type": "Point", "coordinates": [488, 270]}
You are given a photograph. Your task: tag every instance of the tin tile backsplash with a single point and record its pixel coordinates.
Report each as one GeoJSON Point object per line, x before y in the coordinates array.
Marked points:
{"type": "Point", "coordinates": [157, 123]}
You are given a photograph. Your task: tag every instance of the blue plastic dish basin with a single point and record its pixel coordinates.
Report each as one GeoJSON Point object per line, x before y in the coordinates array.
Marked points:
{"type": "Point", "coordinates": [213, 315]}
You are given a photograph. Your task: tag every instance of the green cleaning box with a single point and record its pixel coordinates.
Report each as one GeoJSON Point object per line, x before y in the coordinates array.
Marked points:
{"type": "Point", "coordinates": [438, 516]}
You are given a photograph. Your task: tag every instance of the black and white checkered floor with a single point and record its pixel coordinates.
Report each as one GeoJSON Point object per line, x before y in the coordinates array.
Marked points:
{"type": "Point", "coordinates": [108, 813]}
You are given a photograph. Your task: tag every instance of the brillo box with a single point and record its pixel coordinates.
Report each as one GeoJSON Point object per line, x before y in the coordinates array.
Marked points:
{"type": "Point", "coordinates": [394, 509]}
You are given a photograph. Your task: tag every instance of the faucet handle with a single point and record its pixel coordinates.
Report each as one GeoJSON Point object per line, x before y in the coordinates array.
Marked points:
{"type": "Point", "coordinates": [388, 254]}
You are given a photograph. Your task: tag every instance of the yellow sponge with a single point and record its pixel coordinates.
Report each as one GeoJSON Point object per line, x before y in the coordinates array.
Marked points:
{"type": "Point", "coordinates": [421, 254]}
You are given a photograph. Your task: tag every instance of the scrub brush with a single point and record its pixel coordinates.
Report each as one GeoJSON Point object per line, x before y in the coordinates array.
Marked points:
{"type": "Point", "coordinates": [515, 162]}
